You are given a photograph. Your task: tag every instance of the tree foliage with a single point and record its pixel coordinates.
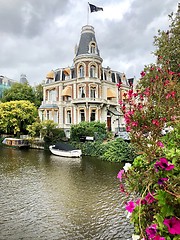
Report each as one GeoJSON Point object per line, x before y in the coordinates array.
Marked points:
{"type": "Point", "coordinates": [16, 115]}
{"type": "Point", "coordinates": [167, 50]}
{"type": "Point", "coordinates": [23, 91]}
{"type": "Point", "coordinates": [86, 129]}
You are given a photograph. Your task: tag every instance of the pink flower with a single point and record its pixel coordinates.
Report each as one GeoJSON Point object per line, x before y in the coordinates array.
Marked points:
{"type": "Point", "coordinates": [164, 164]}
{"type": "Point", "coordinates": [173, 94]}
{"type": "Point", "coordinates": [173, 225]}
{"type": "Point", "coordinates": [157, 237]}
{"type": "Point", "coordinates": [130, 207]}
{"type": "Point", "coordinates": [134, 123]}
{"type": "Point", "coordinates": [128, 129]}
{"type": "Point", "coordinates": [140, 201]}
{"type": "Point", "coordinates": [159, 57]}
{"type": "Point", "coordinates": [149, 198]}
{"type": "Point", "coordinates": [158, 68]}
{"type": "Point", "coordinates": [121, 102]}
{"type": "Point", "coordinates": [168, 95]}
{"type": "Point", "coordinates": [152, 68]}
{"type": "Point", "coordinates": [143, 74]}
{"type": "Point", "coordinates": [160, 144]}
{"type": "Point", "coordinates": [122, 188]}
{"type": "Point", "coordinates": [156, 122]}
{"type": "Point", "coordinates": [157, 77]}
{"type": "Point", "coordinates": [151, 231]}
{"type": "Point", "coordinates": [152, 80]}
{"type": "Point", "coordinates": [141, 97]}
{"type": "Point", "coordinates": [120, 174]}
{"type": "Point", "coordinates": [161, 181]}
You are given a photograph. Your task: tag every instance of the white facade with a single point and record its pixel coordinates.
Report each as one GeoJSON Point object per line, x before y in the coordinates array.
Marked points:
{"type": "Point", "coordinates": [86, 91]}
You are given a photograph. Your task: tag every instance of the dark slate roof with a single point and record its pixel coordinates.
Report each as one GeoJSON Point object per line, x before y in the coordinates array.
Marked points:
{"type": "Point", "coordinates": [48, 106]}
{"type": "Point", "coordinates": [87, 35]}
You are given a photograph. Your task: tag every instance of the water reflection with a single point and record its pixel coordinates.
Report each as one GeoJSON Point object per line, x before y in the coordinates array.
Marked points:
{"type": "Point", "coordinates": [47, 197]}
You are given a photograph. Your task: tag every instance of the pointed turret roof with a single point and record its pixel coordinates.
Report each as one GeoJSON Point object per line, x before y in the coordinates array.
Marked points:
{"type": "Point", "coordinates": [87, 36]}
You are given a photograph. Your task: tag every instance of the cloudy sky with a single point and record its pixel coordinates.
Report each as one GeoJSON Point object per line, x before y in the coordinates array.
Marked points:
{"type": "Point", "coordinates": [37, 36]}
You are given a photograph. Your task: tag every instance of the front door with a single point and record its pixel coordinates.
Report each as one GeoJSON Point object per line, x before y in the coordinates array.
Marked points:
{"type": "Point", "coordinates": [109, 123]}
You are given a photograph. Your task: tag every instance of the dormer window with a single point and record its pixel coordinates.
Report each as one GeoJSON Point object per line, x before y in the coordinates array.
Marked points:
{"type": "Point", "coordinates": [92, 48]}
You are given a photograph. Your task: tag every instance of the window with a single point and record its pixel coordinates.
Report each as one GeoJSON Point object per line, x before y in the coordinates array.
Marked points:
{"type": "Point", "coordinates": [55, 116]}
{"type": "Point", "coordinates": [93, 115]}
{"type": "Point", "coordinates": [93, 92]}
{"type": "Point", "coordinates": [82, 115]}
{"type": "Point", "coordinates": [113, 78]}
{"type": "Point", "coordinates": [92, 71]}
{"type": "Point", "coordinates": [93, 48]}
{"type": "Point", "coordinates": [48, 114]}
{"type": "Point", "coordinates": [42, 116]}
{"type": "Point", "coordinates": [81, 92]}
{"type": "Point", "coordinates": [68, 116]}
{"type": "Point", "coordinates": [52, 95]}
{"type": "Point", "coordinates": [81, 71]}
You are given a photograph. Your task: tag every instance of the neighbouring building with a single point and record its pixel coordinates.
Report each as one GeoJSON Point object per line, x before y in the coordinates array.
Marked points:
{"type": "Point", "coordinates": [86, 91]}
{"type": "Point", "coordinates": [5, 83]}
{"type": "Point", "coordinates": [23, 78]}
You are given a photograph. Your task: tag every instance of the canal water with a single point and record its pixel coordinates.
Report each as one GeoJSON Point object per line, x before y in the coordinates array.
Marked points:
{"type": "Point", "coordinates": [43, 196]}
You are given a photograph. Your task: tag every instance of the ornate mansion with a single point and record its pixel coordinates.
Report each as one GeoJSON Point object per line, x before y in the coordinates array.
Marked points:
{"type": "Point", "coordinates": [87, 91]}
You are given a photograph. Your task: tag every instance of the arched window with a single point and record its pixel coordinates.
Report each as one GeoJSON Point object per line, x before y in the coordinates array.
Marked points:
{"type": "Point", "coordinates": [68, 116]}
{"type": "Point", "coordinates": [93, 115]}
{"type": "Point", "coordinates": [93, 92]}
{"type": "Point", "coordinates": [93, 48]}
{"type": "Point", "coordinates": [93, 71]}
{"type": "Point", "coordinates": [81, 92]}
{"type": "Point", "coordinates": [82, 115]}
{"type": "Point", "coordinates": [81, 71]}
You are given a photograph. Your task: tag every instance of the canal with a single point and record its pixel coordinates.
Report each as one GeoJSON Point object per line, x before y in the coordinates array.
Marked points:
{"type": "Point", "coordinates": [43, 196]}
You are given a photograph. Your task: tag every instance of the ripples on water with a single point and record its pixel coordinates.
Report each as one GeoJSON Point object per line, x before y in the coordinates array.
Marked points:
{"type": "Point", "coordinates": [43, 196]}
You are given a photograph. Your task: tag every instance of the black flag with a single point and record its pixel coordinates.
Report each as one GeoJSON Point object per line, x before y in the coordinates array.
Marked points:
{"type": "Point", "coordinates": [93, 8]}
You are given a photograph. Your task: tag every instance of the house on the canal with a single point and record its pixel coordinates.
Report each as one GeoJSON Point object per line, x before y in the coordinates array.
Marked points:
{"type": "Point", "coordinates": [86, 91]}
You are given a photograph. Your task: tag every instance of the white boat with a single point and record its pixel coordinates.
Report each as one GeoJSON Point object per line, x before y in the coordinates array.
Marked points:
{"type": "Point", "coordinates": [65, 150]}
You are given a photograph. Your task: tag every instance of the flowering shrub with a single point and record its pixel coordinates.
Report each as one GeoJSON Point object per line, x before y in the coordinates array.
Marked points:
{"type": "Point", "coordinates": [155, 174]}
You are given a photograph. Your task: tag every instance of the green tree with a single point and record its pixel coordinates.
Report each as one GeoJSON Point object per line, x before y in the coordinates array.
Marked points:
{"type": "Point", "coordinates": [19, 91]}
{"type": "Point", "coordinates": [16, 115]}
{"type": "Point", "coordinates": [38, 94]}
{"type": "Point", "coordinates": [167, 52]}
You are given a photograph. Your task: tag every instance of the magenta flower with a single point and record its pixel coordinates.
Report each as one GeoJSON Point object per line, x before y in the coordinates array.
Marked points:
{"type": "Point", "coordinates": [143, 74]}
{"type": "Point", "coordinates": [164, 164]}
{"type": "Point", "coordinates": [140, 201]}
{"type": "Point", "coordinates": [130, 207]}
{"type": "Point", "coordinates": [156, 122]}
{"type": "Point", "coordinates": [160, 144]}
{"type": "Point", "coordinates": [120, 102]}
{"type": "Point", "coordinates": [173, 225]}
{"type": "Point", "coordinates": [122, 188]}
{"type": "Point", "coordinates": [134, 123]}
{"type": "Point", "coordinates": [120, 174]}
{"type": "Point", "coordinates": [151, 231]}
{"type": "Point", "coordinates": [128, 129]}
{"type": "Point", "coordinates": [149, 198]}
{"type": "Point", "coordinates": [157, 237]}
{"type": "Point", "coordinates": [161, 181]}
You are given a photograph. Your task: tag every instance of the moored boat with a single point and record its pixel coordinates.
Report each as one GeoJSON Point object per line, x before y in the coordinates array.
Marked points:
{"type": "Point", "coordinates": [65, 150]}
{"type": "Point", "coordinates": [15, 143]}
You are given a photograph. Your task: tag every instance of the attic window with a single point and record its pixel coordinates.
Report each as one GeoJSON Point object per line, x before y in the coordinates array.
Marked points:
{"type": "Point", "coordinates": [92, 48]}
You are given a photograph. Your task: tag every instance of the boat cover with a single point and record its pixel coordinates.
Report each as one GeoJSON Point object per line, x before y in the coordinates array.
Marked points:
{"type": "Point", "coordinates": [64, 146]}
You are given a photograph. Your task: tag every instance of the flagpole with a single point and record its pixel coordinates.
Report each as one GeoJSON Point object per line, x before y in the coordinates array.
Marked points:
{"type": "Point", "coordinates": [88, 15]}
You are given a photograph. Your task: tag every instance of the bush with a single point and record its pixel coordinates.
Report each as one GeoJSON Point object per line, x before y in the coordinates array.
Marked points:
{"type": "Point", "coordinates": [86, 129]}
{"type": "Point", "coordinates": [114, 151]}
{"type": "Point", "coordinates": [118, 150]}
